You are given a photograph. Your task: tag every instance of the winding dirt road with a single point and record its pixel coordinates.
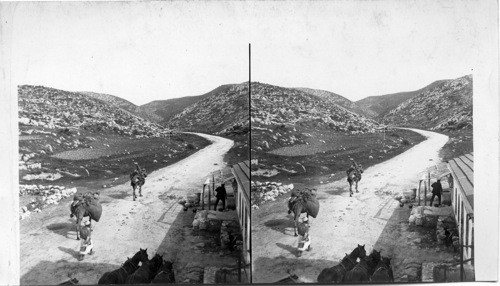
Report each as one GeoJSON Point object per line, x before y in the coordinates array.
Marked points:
{"type": "Point", "coordinates": [48, 240]}
{"type": "Point", "coordinates": [343, 221]}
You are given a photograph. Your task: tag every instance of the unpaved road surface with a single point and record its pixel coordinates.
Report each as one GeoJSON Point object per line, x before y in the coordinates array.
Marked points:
{"type": "Point", "coordinates": [48, 240]}
{"type": "Point", "coordinates": [371, 217]}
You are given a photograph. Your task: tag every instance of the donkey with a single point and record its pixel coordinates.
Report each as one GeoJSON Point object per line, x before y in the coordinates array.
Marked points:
{"type": "Point", "coordinates": [119, 276]}
{"type": "Point", "coordinates": [336, 273]}
{"type": "Point", "coordinates": [302, 202]}
{"type": "Point", "coordinates": [137, 179]}
{"type": "Point", "coordinates": [165, 275]}
{"type": "Point", "coordinates": [364, 269]}
{"type": "Point", "coordinates": [354, 176]}
{"type": "Point", "coordinates": [383, 271]}
{"type": "Point", "coordinates": [146, 272]}
{"type": "Point", "coordinates": [85, 207]}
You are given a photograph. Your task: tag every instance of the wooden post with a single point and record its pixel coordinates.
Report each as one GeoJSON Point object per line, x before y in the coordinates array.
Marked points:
{"type": "Point", "coordinates": [203, 198]}
{"type": "Point", "coordinates": [209, 197]}
{"type": "Point", "coordinates": [425, 193]}
{"type": "Point", "coordinates": [239, 267]}
{"type": "Point", "coordinates": [429, 179]}
{"type": "Point", "coordinates": [461, 258]}
{"type": "Point", "coordinates": [419, 183]}
{"type": "Point", "coordinates": [213, 184]}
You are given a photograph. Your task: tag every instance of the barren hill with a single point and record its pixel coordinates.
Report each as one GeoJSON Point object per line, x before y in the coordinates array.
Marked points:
{"type": "Point", "coordinates": [165, 110]}
{"type": "Point", "coordinates": [124, 104]}
{"type": "Point", "coordinates": [445, 106]}
{"type": "Point", "coordinates": [279, 114]}
{"type": "Point", "coordinates": [55, 109]}
{"type": "Point", "coordinates": [222, 111]}
{"type": "Point", "coordinates": [336, 99]}
{"type": "Point", "coordinates": [378, 106]}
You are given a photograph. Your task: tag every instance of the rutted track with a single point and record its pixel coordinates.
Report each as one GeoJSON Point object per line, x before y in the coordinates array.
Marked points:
{"type": "Point", "coordinates": [343, 221]}
{"type": "Point", "coordinates": [48, 244]}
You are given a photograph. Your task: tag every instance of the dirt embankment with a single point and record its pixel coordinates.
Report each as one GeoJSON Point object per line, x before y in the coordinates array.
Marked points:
{"type": "Point", "coordinates": [155, 221]}
{"type": "Point", "coordinates": [371, 217]}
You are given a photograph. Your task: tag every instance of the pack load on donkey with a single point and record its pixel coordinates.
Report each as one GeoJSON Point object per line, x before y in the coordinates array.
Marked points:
{"type": "Point", "coordinates": [138, 179]}
{"type": "Point", "coordinates": [303, 201]}
{"type": "Point", "coordinates": [86, 205]}
{"type": "Point", "coordinates": [354, 175]}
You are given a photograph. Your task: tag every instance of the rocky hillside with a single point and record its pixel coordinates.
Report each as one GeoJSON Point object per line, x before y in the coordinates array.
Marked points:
{"type": "Point", "coordinates": [378, 106]}
{"type": "Point", "coordinates": [280, 115]}
{"type": "Point", "coordinates": [336, 99]}
{"type": "Point", "coordinates": [446, 106]}
{"type": "Point", "coordinates": [222, 111]}
{"type": "Point", "coordinates": [55, 110]}
{"type": "Point", "coordinates": [125, 105]}
{"type": "Point", "coordinates": [165, 110]}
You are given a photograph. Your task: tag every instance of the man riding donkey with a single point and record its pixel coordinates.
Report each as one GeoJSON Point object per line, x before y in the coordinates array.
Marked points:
{"type": "Point", "coordinates": [137, 179]}
{"type": "Point", "coordinates": [354, 175]}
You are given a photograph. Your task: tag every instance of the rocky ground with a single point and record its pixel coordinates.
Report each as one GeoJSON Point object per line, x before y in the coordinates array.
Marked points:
{"type": "Point", "coordinates": [155, 221]}
{"type": "Point", "coordinates": [371, 217]}
{"type": "Point", "coordinates": [447, 106]}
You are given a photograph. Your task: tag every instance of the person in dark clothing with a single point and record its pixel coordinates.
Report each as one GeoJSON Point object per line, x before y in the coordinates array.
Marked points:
{"type": "Point", "coordinates": [221, 195]}
{"type": "Point", "coordinates": [437, 190]}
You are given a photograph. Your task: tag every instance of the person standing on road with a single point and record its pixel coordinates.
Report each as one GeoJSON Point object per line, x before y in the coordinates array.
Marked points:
{"type": "Point", "coordinates": [221, 195]}
{"type": "Point", "coordinates": [437, 190]}
{"type": "Point", "coordinates": [86, 245]}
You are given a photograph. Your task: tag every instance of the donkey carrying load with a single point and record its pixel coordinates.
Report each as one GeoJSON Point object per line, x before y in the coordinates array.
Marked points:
{"type": "Point", "coordinates": [86, 205]}
{"type": "Point", "coordinates": [354, 175]}
{"type": "Point", "coordinates": [304, 201]}
{"type": "Point", "coordinates": [137, 179]}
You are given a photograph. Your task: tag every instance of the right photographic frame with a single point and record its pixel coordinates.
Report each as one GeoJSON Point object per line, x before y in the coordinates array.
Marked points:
{"type": "Point", "coordinates": [363, 144]}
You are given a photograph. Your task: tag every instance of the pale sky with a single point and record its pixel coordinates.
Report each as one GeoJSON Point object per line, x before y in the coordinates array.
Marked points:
{"type": "Point", "coordinates": [144, 51]}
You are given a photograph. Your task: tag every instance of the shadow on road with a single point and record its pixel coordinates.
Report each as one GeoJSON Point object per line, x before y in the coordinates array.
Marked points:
{"type": "Point", "coordinates": [280, 224]}
{"type": "Point", "coordinates": [62, 228]}
{"type": "Point", "coordinates": [70, 251]}
{"type": "Point", "coordinates": [290, 248]}
{"type": "Point", "coordinates": [44, 273]}
{"type": "Point", "coordinates": [409, 245]}
{"type": "Point", "coordinates": [121, 195]}
{"type": "Point", "coordinates": [307, 269]}
{"type": "Point", "coordinates": [337, 191]}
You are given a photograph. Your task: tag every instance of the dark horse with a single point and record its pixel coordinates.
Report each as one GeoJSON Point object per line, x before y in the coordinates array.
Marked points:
{"type": "Point", "coordinates": [165, 275]}
{"type": "Point", "coordinates": [302, 202]}
{"type": "Point", "coordinates": [137, 179]}
{"type": "Point", "coordinates": [336, 273]}
{"type": "Point", "coordinates": [354, 176]}
{"type": "Point", "coordinates": [383, 271]}
{"type": "Point", "coordinates": [85, 206]}
{"type": "Point", "coordinates": [119, 276]}
{"type": "Point", "coordinates": [364, 269]}
{"type": "Point", "coordinates": [146, 272]}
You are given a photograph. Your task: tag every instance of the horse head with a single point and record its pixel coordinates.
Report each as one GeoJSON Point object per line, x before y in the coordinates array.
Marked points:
{"type": "Point", "coordinates": [157, 261]}
{"type": "Point", "coordinates": [359, 251]}
{"type": "Point", "coordinates": [141, 255]}
{"type": "Point", "coordinates": [375, 255]}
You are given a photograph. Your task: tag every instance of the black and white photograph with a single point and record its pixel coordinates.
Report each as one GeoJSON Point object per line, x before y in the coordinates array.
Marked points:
{"type": "Point", "coordinates": [362, 151]}
{"type": "Point", "coordinates": [133, 145]}
{"type": "Point", "coordinates": [249, 142]}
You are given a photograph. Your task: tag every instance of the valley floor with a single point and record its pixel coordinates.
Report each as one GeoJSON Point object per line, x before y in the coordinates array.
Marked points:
{"type": "Point", "coordinates": [371, 217]}
{"type": "Point", "coordinates": [48, 245]}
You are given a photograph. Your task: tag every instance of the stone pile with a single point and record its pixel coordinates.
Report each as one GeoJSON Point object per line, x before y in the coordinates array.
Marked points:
{"type": "Point", "coordinates": [267, 191]}
{"type": "Point", "coordinates": [194, 273]}
{"type": "Point", "coordinates": [210, 220]}
{"type": "Point", "coordinates": [45, 195]}
{"type": "Point", "coordinates": [405, 196]}
{"type": "Point", "coordinates": [417, 216]}
{"type": "Point", "coordinates": [446, 223]}
{"type": "Point", "coordinates": [230, 227]}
